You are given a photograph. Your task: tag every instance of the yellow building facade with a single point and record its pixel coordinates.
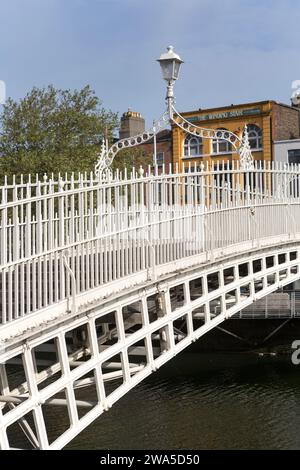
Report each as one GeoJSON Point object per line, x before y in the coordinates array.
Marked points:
{"type": "Point", "coordinates": [266, 121]}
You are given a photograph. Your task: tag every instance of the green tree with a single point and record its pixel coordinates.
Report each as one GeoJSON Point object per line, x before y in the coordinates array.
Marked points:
{"type": "Point", "coordinates": [134, 157]}
{"type": "Point", "coordinates": [53, 130]}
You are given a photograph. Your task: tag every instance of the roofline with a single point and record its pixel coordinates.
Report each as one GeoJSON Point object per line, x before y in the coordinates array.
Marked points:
{"type": "Point", "coordinates": [288, 141]}
{"type": "Point", "coordinates": [288, 106]}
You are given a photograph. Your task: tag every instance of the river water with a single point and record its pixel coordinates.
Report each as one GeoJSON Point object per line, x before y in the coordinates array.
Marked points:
{"type": "Point", "coordinates": [206, 401]}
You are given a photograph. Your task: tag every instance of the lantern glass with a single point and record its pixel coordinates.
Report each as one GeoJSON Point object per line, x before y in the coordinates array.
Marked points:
{"type": "Point", "coordinates": [177, 65]}
{"type": "Point", "coordinates": [170, 64]}
{"type": "Point", "coordinates": [167, 69]}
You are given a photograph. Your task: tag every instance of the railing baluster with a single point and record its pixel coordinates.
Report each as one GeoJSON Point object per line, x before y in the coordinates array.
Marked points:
{"type": "Point", "coordinates": [124, 224]}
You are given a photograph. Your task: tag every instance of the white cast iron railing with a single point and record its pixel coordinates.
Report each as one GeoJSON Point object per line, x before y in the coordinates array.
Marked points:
{"type": "Point", "coordinates": [64, 237]}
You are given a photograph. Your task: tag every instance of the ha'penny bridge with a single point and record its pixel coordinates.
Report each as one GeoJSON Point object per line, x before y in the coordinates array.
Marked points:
{"type": "Point", "coordinates": [106, 277]}
{"type": "Point", "coordinates": [102, 282]}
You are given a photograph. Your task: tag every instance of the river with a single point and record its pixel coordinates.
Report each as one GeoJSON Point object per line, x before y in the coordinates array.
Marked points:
{"type": "Point", "coordinates": [206, 401]}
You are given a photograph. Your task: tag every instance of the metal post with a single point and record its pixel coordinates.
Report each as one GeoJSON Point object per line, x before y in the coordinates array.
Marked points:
{"type": "Point", "coordinates": [154, 146]}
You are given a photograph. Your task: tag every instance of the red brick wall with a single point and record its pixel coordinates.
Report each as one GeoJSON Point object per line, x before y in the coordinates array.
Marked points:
{"type": "Point", "coordinates": [164, 146]}
{"type": "Point", "coordinates": [285, 123]}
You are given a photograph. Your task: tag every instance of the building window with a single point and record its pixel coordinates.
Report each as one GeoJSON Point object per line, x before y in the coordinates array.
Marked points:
{"type": "Point", "coordinates": [193, 146]}
{"type": "Point", "coordinates": [255, 136]}
{"type": "Point", "coordinates": [221, 145]}
{"type": "Point", "coordinates": [160, 158]}
{"type": "Point", "coordinates": [294, 156]}
{"type": "Point", "coordinates": [192, 168]}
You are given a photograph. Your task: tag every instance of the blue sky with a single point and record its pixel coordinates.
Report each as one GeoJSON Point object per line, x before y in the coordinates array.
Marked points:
{"type": "Point", "coordinates": [234, 50]}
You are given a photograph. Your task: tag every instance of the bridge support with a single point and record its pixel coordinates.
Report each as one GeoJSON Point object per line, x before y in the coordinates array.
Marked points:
{"type": "Point", "coordinates": [162, 306]}
{"type": "Point", "coordinates": [112, 344]}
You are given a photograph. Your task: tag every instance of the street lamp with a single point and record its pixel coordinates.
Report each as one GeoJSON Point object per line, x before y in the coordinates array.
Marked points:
{"type": "Point", "coordinates": [170, 64]}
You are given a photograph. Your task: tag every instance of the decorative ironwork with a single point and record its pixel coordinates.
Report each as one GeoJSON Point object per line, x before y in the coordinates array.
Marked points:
{"type": "Point", "coordinates": [244, 151]}
{"type": "Point", "coordinates": [241, 146]}
{"type": "Point", "coordinates": [107, 155]}
{"type": "Point", "coordinates": [173, 117]}
{"type": "Point", "coordinates": [220, 134]}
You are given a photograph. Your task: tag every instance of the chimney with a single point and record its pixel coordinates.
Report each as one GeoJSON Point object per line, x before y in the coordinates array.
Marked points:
{"type": "Point", "coordinates": [132, 123]}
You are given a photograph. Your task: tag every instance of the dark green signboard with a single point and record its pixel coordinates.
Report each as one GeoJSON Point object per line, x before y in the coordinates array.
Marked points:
{"type": "Point", "coordinates": [225, 115]}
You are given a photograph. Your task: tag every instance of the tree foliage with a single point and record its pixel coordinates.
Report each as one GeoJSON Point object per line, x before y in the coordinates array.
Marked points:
{"type": "Point", "coordinates": [132, 158]}
{"type": "Point", "coordinates": [53, 130]}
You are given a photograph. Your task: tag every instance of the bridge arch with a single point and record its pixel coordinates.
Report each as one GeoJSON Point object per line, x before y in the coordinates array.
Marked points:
{"type": "Point", "coordinates": [122, 340]}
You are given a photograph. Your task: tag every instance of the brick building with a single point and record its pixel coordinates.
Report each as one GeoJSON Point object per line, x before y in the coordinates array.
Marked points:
{"type": "Point", "coordinates": [268, 123]}
{"type": "Point", "coordinates": [163, 147]}
{"type": "Point", "coordinates": [286, 122]}
{"type": "Point", "coordinates": [132, 123]}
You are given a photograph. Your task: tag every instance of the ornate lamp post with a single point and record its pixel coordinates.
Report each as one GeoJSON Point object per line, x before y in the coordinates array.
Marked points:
{"type": "Point", "coordinates": [170, 64]}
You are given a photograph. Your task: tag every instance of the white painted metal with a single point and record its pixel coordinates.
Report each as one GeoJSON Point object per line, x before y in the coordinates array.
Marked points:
{"type": "Point", "coordinates": [62, 239]}
{"type": "Point", "coordinates": [107, 154]}
{"type": "Point", "coordinates": [132, 270]}
{"type": "Point", "coordinates": [170, 63]}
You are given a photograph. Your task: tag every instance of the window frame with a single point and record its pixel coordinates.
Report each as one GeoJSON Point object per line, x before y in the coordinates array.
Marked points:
{"type": "Point", "coordinates": [291, 158]}
{"type": "Point", "coordinates": [216, 144]}
{"type": "Point", "coordinates": [256, 138]}
{"type": "Point", "coordinates": [198, 145]}
{"type": "Point", "coordinates": [162, 160]}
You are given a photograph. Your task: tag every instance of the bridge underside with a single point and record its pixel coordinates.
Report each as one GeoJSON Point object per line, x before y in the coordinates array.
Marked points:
{"type": "Point", "coordinates": [111, 345]}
